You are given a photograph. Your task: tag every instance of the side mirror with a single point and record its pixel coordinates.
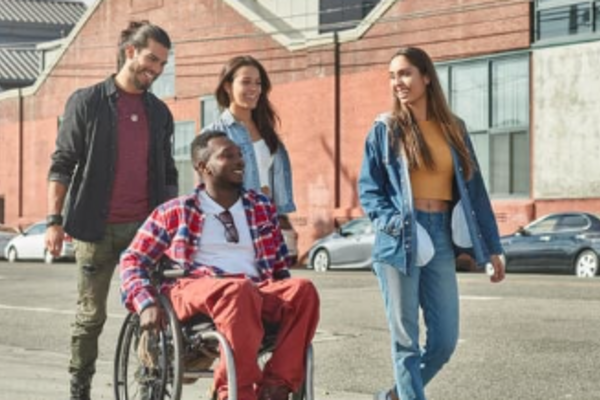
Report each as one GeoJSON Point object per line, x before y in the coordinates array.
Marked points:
{"type": "Point", "coordinates": [522, 231]}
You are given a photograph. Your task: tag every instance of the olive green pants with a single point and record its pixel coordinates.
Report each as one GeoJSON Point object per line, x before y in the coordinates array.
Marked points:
{"type": "Point", "coordinates": [96, 262]}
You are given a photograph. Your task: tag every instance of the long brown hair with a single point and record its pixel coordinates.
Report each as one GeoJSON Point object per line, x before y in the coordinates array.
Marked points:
{"type": "Point", "coordinates": [415, 147]}
{"type": "Point", "coordinates": [264, 115]}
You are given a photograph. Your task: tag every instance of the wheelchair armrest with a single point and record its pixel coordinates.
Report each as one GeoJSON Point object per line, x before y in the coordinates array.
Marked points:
{"type": "Point", "coordinates": [175, 273]}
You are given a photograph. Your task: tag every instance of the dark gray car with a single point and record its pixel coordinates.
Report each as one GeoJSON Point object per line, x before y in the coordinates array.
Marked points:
{"type": "Point", "coordinates": [350, 247]}
{"type": "Point", "coordinates": [563, 242]}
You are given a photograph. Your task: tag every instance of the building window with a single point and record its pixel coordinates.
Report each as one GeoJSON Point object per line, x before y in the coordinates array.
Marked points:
{"type": "Point", "coordinates": [182, 139]}
{"type": "Point", "coordinates": [164, 86]}
{"type": "Point", "coordinates": [209, 110]}
{"type": "Point", "coordinates": [339, 15]}
{"type": "Point", "coordinates": [555, 19]}
{"type": "Point", "coordinates": [492, 97]}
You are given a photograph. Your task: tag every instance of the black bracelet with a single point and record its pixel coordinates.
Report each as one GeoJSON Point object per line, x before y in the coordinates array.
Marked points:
{"type": "Point", "coordinates": [54, 219]}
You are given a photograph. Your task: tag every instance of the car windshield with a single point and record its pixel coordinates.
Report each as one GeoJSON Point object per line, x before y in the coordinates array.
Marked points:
{"type": "Point", "coordinates": [36, 229]}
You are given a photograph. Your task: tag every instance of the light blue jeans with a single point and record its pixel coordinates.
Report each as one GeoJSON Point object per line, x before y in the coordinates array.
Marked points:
{"type": "Point", "coordinates": [433, 288]}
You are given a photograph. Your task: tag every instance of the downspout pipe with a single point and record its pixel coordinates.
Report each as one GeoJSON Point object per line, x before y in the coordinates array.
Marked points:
{"type": "Point", "coordinates": [21, 151]}
{"type": "Point", "coordinates": [337, 122]}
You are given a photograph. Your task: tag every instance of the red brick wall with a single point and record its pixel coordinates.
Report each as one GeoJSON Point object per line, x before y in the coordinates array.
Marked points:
{"type": "Point", "coordinates": [9, 159]}
{"type": "Point", "coordinates": [206, 33]}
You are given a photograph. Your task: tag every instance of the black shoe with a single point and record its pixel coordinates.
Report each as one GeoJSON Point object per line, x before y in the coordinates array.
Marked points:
{"type": "Point", "coordinates": [80, 388]}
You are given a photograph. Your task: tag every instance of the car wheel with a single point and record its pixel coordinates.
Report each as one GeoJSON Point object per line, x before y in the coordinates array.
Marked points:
{"type": "Point", "coordinates": [48, 257]}
{"type": "Point", "coordinates": [12, 255]}
{"type": "Point", "coordinates": [321, 261]}
{"type": "Point", "coordinates": [586, 264]}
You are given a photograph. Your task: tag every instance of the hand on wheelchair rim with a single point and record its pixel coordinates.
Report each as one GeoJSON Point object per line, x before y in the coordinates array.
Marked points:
{"type": "Point", "coordinates": [152, 318]}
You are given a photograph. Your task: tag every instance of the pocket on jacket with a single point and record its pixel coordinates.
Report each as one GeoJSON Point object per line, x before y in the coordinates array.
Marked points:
{"type": "Point", "coordinates": [388, 246]}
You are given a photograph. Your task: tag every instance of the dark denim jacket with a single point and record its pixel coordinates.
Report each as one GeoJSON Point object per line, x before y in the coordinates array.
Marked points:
{"type": "Point", "coordinates": [386, 197]}
{"type": "Point", "coordinates": [86, 150]}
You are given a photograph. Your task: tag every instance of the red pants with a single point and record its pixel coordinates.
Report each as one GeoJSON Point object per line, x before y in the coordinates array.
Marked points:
{"type": "Point", "coordinates": [238, 307]}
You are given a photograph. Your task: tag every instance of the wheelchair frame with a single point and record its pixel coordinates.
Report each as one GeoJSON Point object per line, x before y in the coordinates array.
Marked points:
{"type": "Point", "coordinates": [164, 380]}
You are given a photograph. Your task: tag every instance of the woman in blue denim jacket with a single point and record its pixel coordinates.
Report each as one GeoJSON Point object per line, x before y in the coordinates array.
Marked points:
{"type": "Point", "coordinates": [421, 186]}
{"type": "Point", "coordinates": [250, 121]}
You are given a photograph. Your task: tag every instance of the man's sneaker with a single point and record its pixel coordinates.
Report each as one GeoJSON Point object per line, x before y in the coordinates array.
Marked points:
{"type": "Point", "coordinates": [386, 395]}
{"type": "Point", "coordinates": [268, 392]}
{"type": "Point", "coordinates": [80, 389]}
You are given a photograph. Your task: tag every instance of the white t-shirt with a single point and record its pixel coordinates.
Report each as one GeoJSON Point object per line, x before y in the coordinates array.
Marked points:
{"type": "Point", "coordinates": [264, 159]}
{"type": "Point", "coordinates": [215, 250]}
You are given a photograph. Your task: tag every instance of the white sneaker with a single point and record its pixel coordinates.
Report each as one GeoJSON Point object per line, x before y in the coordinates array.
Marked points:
{"type": "Point", "coordinates": [387, 394]}
{"type": "Point", "coordinates": [382, 395]}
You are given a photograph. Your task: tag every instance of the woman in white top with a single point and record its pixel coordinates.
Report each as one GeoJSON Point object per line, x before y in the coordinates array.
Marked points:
{"type": "Point", "coordinates": [250, 121]}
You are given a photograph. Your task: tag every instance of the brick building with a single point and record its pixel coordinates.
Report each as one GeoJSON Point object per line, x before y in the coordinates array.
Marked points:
{"type": "Point", "coordinates": [497, 65]}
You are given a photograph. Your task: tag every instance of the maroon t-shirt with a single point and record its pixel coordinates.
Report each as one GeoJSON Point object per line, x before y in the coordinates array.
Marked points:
{"type": "Point", "coordinates": [129, 199]}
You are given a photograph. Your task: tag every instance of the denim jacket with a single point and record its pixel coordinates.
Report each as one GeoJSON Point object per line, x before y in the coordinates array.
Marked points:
{"type": "Point", "coordinates": [386, 197]}
{"type": "Point", "coordinates": [280, 174]}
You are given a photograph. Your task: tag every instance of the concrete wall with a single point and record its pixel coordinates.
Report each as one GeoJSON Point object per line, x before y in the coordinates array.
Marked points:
{"type": "Point", "coordinates": [566, 122]}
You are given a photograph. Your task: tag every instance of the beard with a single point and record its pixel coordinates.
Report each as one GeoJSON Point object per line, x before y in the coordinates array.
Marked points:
{"type": "Point", "coordinates": [231, 184]}
{"type": "Point", "coordinates": [135, 71]}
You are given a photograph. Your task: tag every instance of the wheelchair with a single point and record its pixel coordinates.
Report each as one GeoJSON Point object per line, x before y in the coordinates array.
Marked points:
{"type": "Point", "coordinates": [182, 353]}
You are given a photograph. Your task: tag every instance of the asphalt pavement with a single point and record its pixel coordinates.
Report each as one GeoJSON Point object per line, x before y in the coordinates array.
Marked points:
{"type": "Point", "coordinates": [532, 337]}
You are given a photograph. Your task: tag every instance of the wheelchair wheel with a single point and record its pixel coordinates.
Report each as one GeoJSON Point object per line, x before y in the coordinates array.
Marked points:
{"type": "Point", "coordinates": [160, 379]}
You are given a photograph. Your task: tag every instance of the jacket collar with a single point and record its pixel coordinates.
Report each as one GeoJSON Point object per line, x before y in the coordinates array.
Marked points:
{"type": "Point", "coordinates": [228, 118]}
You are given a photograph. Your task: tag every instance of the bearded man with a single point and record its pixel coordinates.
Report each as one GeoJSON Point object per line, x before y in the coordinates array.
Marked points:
{"type": "Point", "coordinates": [113, 157]}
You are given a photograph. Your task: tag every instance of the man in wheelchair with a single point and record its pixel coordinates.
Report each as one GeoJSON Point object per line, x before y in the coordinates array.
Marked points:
{"type": "Point", "coordinates": [229, 241]}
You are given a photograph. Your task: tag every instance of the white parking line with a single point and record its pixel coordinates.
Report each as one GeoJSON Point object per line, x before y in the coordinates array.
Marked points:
{"type": "Point", "coordinates": [480, 298]}
{"type": "Point", "coordinates": [46, 310]}
{"type": "Point", "coordinates": [49, 310]}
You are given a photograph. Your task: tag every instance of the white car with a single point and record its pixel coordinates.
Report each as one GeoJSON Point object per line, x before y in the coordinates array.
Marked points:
{"type": "Point", "coordinates": [5, 237]}
{"type": "Point", "coordinates": [30, 245]}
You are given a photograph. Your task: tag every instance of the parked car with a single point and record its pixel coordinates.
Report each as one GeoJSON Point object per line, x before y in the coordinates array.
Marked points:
{"type": "Point", "coordinates": [349, 247]}
{"type": "Point", "coordinates": [565, 242]}
{"type": "Point", "coordinates": [30, 245]}
{"type": "Point", "coordinates": [6, 234]}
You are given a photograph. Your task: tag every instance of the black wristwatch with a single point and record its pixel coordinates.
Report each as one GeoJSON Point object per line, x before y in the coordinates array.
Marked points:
{"type": "Point", "coordinates": [54, 219]}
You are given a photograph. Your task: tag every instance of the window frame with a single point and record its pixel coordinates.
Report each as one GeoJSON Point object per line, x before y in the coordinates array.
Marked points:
{"type": "Point", "coordinates": [204, 113]}
{"type": "Point", "coordinates": [488, 171]}
{"type": "Point", "coordinates": [167, 78]}
{"type": "Point", "coordinates": [344, 24]}
{"type": "Point", "coordinates": [539, 6]}
{"type": "Point", "coordinates": [186, 173]}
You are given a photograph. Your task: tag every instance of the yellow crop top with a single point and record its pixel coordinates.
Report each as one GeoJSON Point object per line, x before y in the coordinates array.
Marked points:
{"type": "Point", "coordinates": [434, 183]}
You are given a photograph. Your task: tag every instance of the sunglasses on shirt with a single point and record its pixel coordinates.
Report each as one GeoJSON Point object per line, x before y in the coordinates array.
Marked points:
{"type": "Point", "coordinates": [231, 232]}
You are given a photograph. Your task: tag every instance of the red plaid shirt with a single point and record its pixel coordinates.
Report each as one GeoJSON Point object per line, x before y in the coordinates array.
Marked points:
{"type": "Point", "coordinates": [175, 228]}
